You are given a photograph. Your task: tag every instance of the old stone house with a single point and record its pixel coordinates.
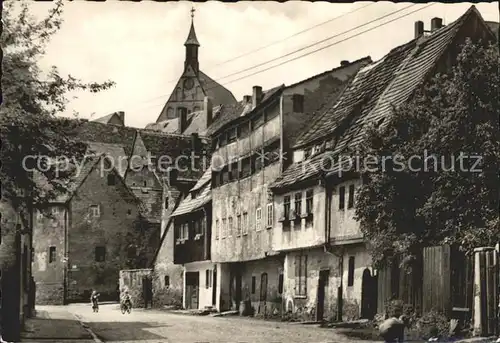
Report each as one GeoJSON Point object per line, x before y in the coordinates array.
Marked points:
{"type": "Point", "coordinates": [80, 238]}
{"type": "Point", "coordinates": [336, 279]}
{"type": "Point", "coordinates": [249, 152]}
{"type": "Point", "coordinates": [192, 233]}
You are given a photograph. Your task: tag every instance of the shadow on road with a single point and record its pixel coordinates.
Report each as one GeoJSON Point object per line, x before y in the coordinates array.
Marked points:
{"type": "Point", "coordinates": [125, 331]}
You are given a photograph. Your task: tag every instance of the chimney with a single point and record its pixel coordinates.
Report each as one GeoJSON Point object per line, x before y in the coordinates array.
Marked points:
{"type": "Point", "coordinates": [182, 115]}
{"type": "Point", "coordinates": [257, 96]}
{"type": "Point", "coordinates": [436, 24]}
{"type": "Point", "coordinates": [247, 99]}
{"type": "Point", "coordinates": [208, 111]}
{"type": "Point", "coordinates": [194, 142]}
{"type": "Point", "coordinates": [419, 28]}
{"type": "Point", "coordinates": [344, 63]}
{"type": "Point", "coordinates": [121, 115]}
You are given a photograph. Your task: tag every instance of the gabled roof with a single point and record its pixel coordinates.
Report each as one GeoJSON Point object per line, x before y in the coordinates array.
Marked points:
{"type": "Point", "coordinates": [91, 131]}
{"type": "Point", "coordinates": [369, 98]}
{"type": "Point", "coordinates": [174, 146]}
{"type": "Point", "coordinates": [115, 151]}
{"type": "Point", "coordinates": [194, 201]}
{"type": "Point", "coordinates": [241, 109]}
{"type": "Point", "coordinates": [107, 119]}
{"type": "Point", "coordinates": [220, 95]}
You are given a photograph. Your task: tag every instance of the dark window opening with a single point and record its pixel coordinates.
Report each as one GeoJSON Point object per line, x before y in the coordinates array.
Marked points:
{"type": "Point", "coordinates": [341, 198]}
{"type": "Point", "coordinates": [253, 284]}
{"type": "Point", "coordinates": [132, 252]}
{"type": "Point", "coordinates": [350, 272]}
{"type": "Point", "coordinates": [286, 207]}
{"type": "Point", "coordinates": [350, 201]}
{"type": "Point", "coordinates": [52, 254]}
{"type": "Point", "coordinates": [232, 135]}
{"type": "Point", "coordinates": [280, 284]}
{"type": "Point", "coordinates": [301, 275]}
{"type": "Point", "coordinates": [111, 180]}
{"type": "Point", "coordinates": [166, 281]}
{"type": "Point", "coordinates": [243, 130]}
{"type": "Point", "coordinates": [309, 201]}
{"type": "Point", "coordinates": [100, 254]}
{"type": "Point", "coordinates": [207, 278]}
{"type": "Point", "coordinates": [129, 212]}
{"type": "Point", "coordinates": [257, 121]}
{"type": "Point", "coordinates": [245, 169]}
{"type": "Point", "coordinates": [166, 202]}
{"type": "Point", "coordinates": [298, 204]}
{"type": "Point", "coordinates": [298, 103]}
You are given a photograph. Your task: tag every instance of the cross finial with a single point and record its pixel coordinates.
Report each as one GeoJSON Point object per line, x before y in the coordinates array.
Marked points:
{"type": "Point", "coordinates": [192, 12]}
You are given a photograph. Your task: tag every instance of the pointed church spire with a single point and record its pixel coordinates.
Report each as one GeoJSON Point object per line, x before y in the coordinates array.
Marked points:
{"type": "Point", "coordinates": [192, 40]}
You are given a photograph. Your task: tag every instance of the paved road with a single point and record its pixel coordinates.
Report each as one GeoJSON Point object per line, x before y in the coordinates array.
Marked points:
{"type": "Point", "coordinates": [150, 326]}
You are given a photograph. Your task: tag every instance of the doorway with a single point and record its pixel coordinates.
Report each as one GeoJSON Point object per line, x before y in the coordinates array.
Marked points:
{"type": "Point", "coordinates": [324, 275]}
{"type": "Point", "coordinates": [214, 288]}
{"type": "Point", "coordinates": [368, 295]}
{"type": "Point", "coordinates": [147, 291]}
{"type": "Point", "coordinates": [192, 290]}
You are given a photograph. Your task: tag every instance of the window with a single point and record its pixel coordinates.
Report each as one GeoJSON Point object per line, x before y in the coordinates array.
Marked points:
{"type": "Point", "coordinates": [298, 204]}
{"type": "Point", "coordinates": [301, 275]}
{"type": "Point", "coordinates": [350, 201]}
{"type": "Point", "coordinates": [270, 215]}
{"type": "Point", "coordinates": [286, 208]}
{"type": "Point", "coordinates": [230, 227]}
{"type": "Point", "coordinates": [224, 228]}
{"type": "Point", "coordinates": [166, 281]}
{"type": "Point", "coordinates": [233, 171]}
{"type": "Point", "coordinates": [253, 285]}
{"type": "Point", "coordinates": [245, 168]}
{"type": "Point", "coordinates": [166, 202]}
{"type": "Point", "coordinates": [243, 130]}
{"type": "Point", "coordinates": [111, 180]}
{"type": "Point", "coordinates": [341, 198]}
{"type": "Point", "coordinates": [52, 254]}
{"type": "Point", "coordinates": [309, 202]}
{"type": "Point", "coordinates": [238, 228]}
{"type": "Point", "coordinates": [207, 278]}
{"type": "Point", "coordinates": [95, 211]}
{"type": "Point", "coordinates": [245, 223]}
{"type": "Point", "coordinates": [258, 219]}
{"type": "Point", "coordinates": [129, 212]}
{"type": "Point", "coordinates": [198, 230]}
{"type": "Point", "coordinates": [232, 135]}
{"type": "Point", "coordinates": [298, 103]}
{"type": "Point", "coordinates": [217, 229]}
{"type": "Point", "coordinates": [257, 162]}
{"type": "Point", "coordinates": [184, 231]}
{"type": "Point", "coordinates": [257, 121]}
{"type": "Point", "coordinates": [350, 272]}
{"type": "Point", "coordinates": [145, 183]}
{"type": "Point", "coordinates": [280, 283]}
{"type": "Point", "coordinates": [100, 254]}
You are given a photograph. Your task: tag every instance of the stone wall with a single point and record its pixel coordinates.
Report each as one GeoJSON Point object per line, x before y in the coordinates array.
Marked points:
{"type": "Point", "coordinates": [131, 280]}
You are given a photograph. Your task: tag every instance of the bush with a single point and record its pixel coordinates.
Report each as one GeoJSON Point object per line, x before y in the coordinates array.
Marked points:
{"type": "Point", "coordinates": [433, 324]}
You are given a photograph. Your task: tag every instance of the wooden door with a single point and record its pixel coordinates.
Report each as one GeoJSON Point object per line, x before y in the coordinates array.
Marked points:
{"type": "Point", "coordinates": [368, 295]}
{"type": "Point", "coordinates": [192, 289]}
{"type": "Point", "coordinates": [322, 291]}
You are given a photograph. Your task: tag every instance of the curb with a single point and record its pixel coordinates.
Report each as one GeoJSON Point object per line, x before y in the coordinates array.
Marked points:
{"type": "Point", "coordinates": [89, 330]}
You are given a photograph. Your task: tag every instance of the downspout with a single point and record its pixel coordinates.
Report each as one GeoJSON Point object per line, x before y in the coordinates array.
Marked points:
{"type": "Point", "coordinates": [66, 254]}
{"type": "Point", "coordinates": [281, 134]}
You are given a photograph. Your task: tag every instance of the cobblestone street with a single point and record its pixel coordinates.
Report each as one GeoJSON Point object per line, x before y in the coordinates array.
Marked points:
{"type": "Point", "coordinates": [150, 326]}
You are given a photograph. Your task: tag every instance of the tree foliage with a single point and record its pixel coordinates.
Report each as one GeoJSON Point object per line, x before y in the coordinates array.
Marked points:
{"type": "Point", "coordinates": [31, 99]}
{"type": "Point", "coordinates": [439, 200]}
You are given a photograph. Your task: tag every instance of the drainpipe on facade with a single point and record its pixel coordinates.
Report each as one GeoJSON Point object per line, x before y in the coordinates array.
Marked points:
{"type": "Point", "coordinates": [328, 248]}
{"type": "Point", "coordinates": [66, 257]}
{"type": "Point", "coordinates": [281, 134]}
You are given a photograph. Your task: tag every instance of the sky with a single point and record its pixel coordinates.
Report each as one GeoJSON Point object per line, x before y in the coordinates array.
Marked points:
{"type": "Point", "coordinates": [139, 45]}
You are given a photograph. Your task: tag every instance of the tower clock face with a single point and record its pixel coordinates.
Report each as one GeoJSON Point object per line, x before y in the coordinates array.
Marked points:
{"type": "Point", "coordinates": [188, 83]}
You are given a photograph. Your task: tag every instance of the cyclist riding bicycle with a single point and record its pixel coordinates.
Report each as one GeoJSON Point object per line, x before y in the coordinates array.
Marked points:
{"type": "Point", "coordinates": [126, 300]}
{"type": "Point", "coordinates": [94, 300]}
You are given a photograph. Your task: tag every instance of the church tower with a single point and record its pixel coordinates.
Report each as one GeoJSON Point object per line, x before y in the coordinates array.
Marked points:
{"type": "Point", "coordinates": [192, 46]}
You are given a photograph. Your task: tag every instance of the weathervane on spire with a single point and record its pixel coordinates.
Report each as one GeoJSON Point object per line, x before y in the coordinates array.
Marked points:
{"type": "Point", "coordinates": [192, 12]}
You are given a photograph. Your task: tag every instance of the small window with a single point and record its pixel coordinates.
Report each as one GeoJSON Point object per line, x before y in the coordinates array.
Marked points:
{"type": "Point", "coordinates": [207, 278]}
{"type": "Point", "coordinates": [350, 272]}
{"type": "Point", "coordinates": [232, 134]}
{"type": "Point", "coordinates": [238, 225]}
{"type": "Point", "coordinates": [341, 198]}
{"type": "Point", "coordinates": [166, 202]}
{"type": "Point", "coordinates": [350, 201]}
{"type": "Point", "coordinates": [298, 204]}
{"type": "Point", "coordinates": [298, 103]}
{"type": "Point", "coordinates": [224, 228]}
{"type": "Point", "coordinates": [253, 285]}
{"type": "Point", "coordinates": [52, 254]}
{"type": "Point", "coordinates": [286, 207]}
{"type": "Point", "coordinates": [309, 202]}
{"type": "Point", "coordinates": [166, 281]}
{"type": "Point", "coordinates": [301, 275]}
{"type": "Point", "coordinates": [217, 229]}
{"type": "Point", "coordinates": [280, 284]}
{"type": "Point", "coordinates": [145, 183]}
{"type": "Point", "coordinates": [129, 212]}
{"type": "Point", "coordinates": [257, 121]}
{"type": "Point", "coordinates": [100, 254]}
{"type": "Point", "coordinates": [95, 211]}
{"type": "Point", "coordinates": [245, 223]}
{"type": "Point", "coordinates": [258, 219]}
{"type": "Point", "coordinates": [111, 180]}
{"type": "Point", "coordinates": [270, 215]}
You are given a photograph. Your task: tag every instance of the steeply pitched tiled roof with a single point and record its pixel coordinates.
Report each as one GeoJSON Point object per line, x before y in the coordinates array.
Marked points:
{"type": "Point", "coordinates": [233, 112]}
{"type": "Point", "coordinates": [220, 95]}
{"type": "Point", "coordinates": [91, 131]}
{"type": "Point", "coordinates": [206, 177]}
{"type": "Point", "coordinates": [174, 146]}
{"type": "Point", "coordinates": [115, 151]}
{"type": "Point", "coordinates": [376, 88]}
{"type": "Point", "coordinates": [106, 119]}
{"type": "Point", "coordinates": [194, 202]}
